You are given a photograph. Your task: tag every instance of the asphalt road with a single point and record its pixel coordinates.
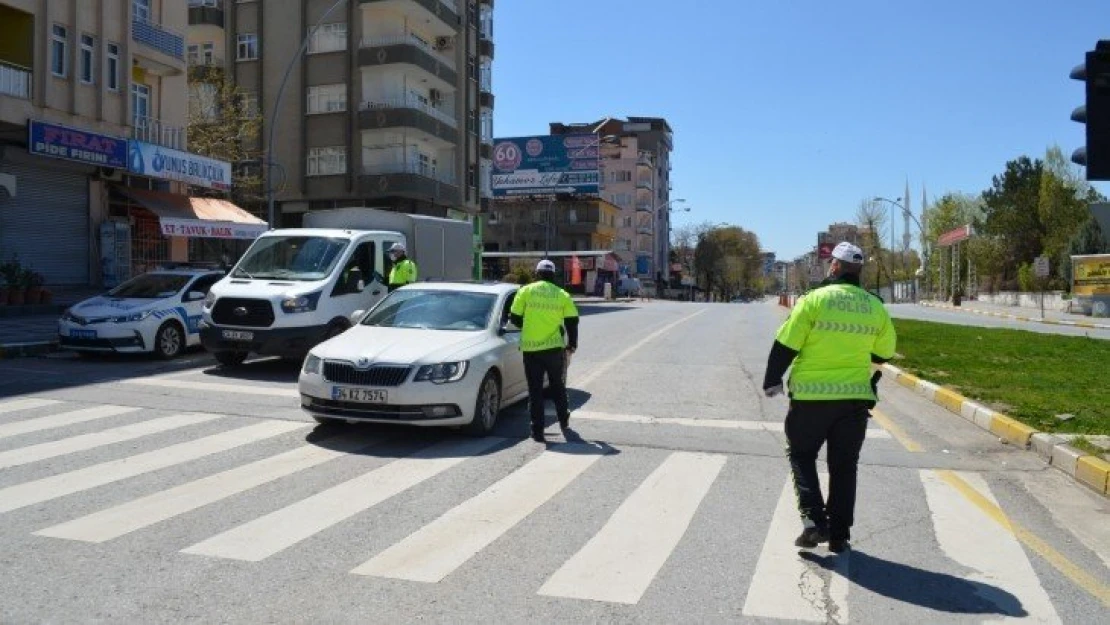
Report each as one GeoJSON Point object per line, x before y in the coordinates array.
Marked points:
{"type": "Point", "coordinates": [183, 492]}
{"type": "Point", "coordinates": [940, 315]}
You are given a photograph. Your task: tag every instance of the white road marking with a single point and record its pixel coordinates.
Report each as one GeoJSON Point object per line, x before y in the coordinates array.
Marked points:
{"type": "Point", "coordinates": [45, 489]}
{"type": "Point", "coordinates": [621, 560]}
{"type": "Point", "coordinates": [92, 440]}
{"type": "Point", "coordinates": [288, 526]}
{"type": "Point", "coordinates": [62, 419]}
{"type": "Point", "coordinates": [784, 586]}
{"type": "Point", "coordinates": [161, 506]}
{"type": "Point", "coordinates": [15, 405]}
{"type": "Point", "coordinates": [993, 555]}
{"type": "Point", "coordinates": [601, 368]}
{"type": "Point", "coordinates": [724, 424]}
{"type": "Point", "coordinates": [217, 387]}
{"type": "Point", "coordinates": [434, 551]}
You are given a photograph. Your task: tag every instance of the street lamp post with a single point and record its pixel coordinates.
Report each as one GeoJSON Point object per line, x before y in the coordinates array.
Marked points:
{"type": "Point", "coordinates": [660, 256]}
{"type": "Point", "coordinates": [277, 107]}
{"type": "Point", "coordinates": [924, 242]}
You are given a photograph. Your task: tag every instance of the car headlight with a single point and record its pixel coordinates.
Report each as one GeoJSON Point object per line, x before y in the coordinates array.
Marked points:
{"type": "Point", "coordinates": [132, 317]}
{"type": "Point", "coordinates": [301, 303]}
{"type": "Point", "coordinates": [312, 364]}
{"type": "Point", "coordinates": [68, 315]}
{"type": "Point", "coordinates": [442, 372]}
{"type": "Point", "coordinates": [209, 300]}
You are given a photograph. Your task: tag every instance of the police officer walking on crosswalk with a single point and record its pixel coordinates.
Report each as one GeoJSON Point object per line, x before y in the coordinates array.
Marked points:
{"type": "Point", "coordinates": [542, 310]}
{"type": "Point", "coordinates": [833, 335]}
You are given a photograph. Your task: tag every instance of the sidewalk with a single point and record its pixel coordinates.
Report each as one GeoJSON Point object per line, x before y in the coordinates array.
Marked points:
{"type": "Point", "coordinates": [28, 336]}
{"type": "Point", "coordinates": [1052, 317]}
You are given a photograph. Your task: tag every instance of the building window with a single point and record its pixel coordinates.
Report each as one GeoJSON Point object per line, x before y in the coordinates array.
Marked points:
{"type": "Point", "coordinates": [627, 222]}
{"type": "Point", "coordinates": [486, 27]}
{"type": "Point", "coordinates": [487, 126]}
{"type": "Point", "coordinates": [471, 67]}
{"type": "Point", "coordinates": [327, 161]}
{"type": "Point", "coordinates": [204, 3]}
{"type": "Point", "coordinates": [486, 178]}
{"type": "Point", "coordinates": [248, 100]}
{"type": "Point", "coordinates": [140, 104]}
{"type": "Point", "coordinates": [112, 69]}
{"type": "Point", "coordinates": [329, 38]}
{"type": "Point", "coordinates": [141, 9]}
{"type": "Point", "coordinates": [88, 48]}
{"type": "Point", "coordinates": [620, 175]}
{"type": "Point", "coordinates": [327, 98]}
{"type": "Point", "coordinates": [485, 76]}
{"type": "Point", "coordinates": [247, 47]}
{"type": "Point", "coordinates": [58, 45]}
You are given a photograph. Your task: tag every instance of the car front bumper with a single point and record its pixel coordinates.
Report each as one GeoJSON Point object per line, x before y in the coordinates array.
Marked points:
{"type": "Point", "coordinates": [103, 337]}
{"type": "Point", "coordinates": [286, 342]}
{"type": "Point", "coordinates": [412, 403]}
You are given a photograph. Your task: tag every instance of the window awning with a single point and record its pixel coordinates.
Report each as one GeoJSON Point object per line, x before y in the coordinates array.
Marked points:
{"type": "Point", "coordinates": [198, 217]}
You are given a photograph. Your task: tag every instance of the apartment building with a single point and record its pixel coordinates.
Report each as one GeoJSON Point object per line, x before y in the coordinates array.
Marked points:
{"type": "Point", "coordinates": [573, 224]}
{"type": "Point", "coordinates": [391, 106]}
{"type": "Point", "coordinates": [93, 146]}
{"type": "Point", "coordinates": [635, 176]}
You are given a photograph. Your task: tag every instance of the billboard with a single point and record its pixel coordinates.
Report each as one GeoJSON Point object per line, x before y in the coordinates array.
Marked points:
{"type": "Point", "coordinates": [546, 165]}
{"type": "Point", "coordinates": [1090, 275]}
{"type": "Point", "coordinates": [74, 144]}
{"type": "Point", "coordinates": [169, 164]}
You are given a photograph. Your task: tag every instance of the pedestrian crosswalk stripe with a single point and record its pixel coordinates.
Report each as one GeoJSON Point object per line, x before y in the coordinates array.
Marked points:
{"type": "Point", "coordinates": [15, 405]}
{"type": "Point", "coordinates": [163, 505]}
{"type": "Point", "coordinates": [434, 551]}
{"type": "Point", "coordinates": [92, 440]}
{"type": "Point", "coordinates": [724, 424]}
{"type": "Point", "coordinates": [288, 526]}
{"type": "Point", "coordinates": [992, 556]}
{"type": "Point", "coordinates": [237, 389]}
{"type": "Point", "coordinates": [62, 419]}
{"type": "Point", "coordinates": [786, 587]}
{"type": "Point", "coordinates": [62, 484]}
{"type": "Point", "coordinates": [620, 561]}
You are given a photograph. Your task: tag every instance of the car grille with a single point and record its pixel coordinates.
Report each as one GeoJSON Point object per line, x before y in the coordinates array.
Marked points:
{"type": "Point", "coordinates": [259, 313]}
{"type": "Point", "coordinates": [376, 375]}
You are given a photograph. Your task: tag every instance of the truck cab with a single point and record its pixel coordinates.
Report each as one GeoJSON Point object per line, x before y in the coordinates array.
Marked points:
{"type": "Point", "coordinates": [293, 289]}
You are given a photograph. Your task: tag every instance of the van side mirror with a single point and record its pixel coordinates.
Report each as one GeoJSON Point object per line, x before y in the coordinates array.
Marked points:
{"type": "Point", "coordinates": [194, 296]}
{"type": "Point", "coordinates": [357, 316]}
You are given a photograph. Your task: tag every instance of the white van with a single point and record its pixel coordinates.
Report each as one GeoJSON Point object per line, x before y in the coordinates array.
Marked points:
{"type": "Point", "coordinates": [297, 287]}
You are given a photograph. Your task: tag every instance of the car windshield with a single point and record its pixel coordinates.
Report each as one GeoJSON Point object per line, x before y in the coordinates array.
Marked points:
{"type": "Point", "coordinates": [290, 258]}
{"type": "Point", "coordinates": [150, 286]}
{"type": "Point", "coordinates": [434, 310]}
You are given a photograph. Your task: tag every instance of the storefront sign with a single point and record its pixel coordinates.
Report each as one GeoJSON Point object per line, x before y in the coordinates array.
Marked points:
{"type": "Point", "coordinates": [73, 144]}
{"type": "Point", "coordinates": [198, 229]}
{"type": "Point", "coordinates": [168, 164]}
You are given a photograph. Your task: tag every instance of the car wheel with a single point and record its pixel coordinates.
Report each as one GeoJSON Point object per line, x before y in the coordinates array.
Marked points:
{"type": "Point", "coordinates": [169, 341]}
{"type": "Point", "coordinates": [230, 359]}
{"type": "Point", "coordinates": [486, 406]}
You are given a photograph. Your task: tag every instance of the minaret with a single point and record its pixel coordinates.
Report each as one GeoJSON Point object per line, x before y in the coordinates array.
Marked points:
{"type": "Point", "coordinates": [906, 220]}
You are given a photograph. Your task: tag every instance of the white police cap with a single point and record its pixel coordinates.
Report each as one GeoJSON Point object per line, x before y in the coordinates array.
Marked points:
{"type": "Point", "coordinates": [848, 253]}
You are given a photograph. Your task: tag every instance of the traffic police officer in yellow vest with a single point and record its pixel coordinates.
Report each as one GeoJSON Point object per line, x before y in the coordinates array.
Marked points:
{"type": "Point", "coordinates": [832, 337]}
{"type": "Point", "coordinates": [403, 271]}
{"type": "Point", "coordinates": [542, 310]}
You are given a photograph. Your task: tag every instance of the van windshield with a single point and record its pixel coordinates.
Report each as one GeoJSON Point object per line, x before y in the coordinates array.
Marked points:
{"type": "Point", "coordinates": [291, 258]}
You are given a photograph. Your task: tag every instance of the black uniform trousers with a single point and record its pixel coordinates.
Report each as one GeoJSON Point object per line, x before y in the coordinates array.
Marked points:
{"type": "Point", "coordinates": [843, 425]}
{"type": "Point", "coordinates": [549, 362]}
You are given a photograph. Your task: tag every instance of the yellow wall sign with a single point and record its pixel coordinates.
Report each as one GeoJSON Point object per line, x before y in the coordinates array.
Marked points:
{"type": "Point", "coordinates": [1090, 275]}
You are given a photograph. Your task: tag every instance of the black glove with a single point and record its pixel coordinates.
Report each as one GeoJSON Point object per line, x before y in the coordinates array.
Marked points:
{"type": "Point", "coordinates": [875, 377]}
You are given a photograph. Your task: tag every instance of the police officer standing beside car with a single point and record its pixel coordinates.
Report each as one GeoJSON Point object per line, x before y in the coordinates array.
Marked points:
{"type": "Point", "coordinates": [832, 337]}
{"type": "Point", "coordinates": [403, 271]}
{"type": "Point", "coordinates": [542, 310]}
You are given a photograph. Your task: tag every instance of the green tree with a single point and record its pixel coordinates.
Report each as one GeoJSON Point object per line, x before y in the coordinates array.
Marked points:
{"type": "Point", "coordinates": [1011, 212]}
{"type": "Point", "coordinates": [1061, 207]}
{"type": "Point", "coordinates": [221, 126]}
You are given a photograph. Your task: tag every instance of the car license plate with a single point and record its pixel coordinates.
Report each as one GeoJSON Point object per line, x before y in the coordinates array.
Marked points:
{"type": "Point", "coordinates": [238, 335]}
{"type": "Point", "coordinates": [82, 334]}
{"type": "Point", "coordinates": [360, 395]}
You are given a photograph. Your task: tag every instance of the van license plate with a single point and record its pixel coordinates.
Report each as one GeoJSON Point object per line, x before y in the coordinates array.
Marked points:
{"type": "Point", "coordinates": [238, 335]}
{"type": "Point", "coordinates": [360, 395]}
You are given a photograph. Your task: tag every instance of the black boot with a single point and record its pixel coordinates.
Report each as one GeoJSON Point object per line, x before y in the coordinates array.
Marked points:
{"type": "Point", "coordinates": [537, 433]}
{"type": "Point", "coordinates": [811, 536]}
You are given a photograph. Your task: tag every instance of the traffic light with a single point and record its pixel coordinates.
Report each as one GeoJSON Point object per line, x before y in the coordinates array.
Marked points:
{"type": "Point", "coordinates": [1095, 114]}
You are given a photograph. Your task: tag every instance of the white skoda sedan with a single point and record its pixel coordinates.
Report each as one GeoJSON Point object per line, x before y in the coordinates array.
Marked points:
{"type": "Point", "coordinates": [431, 354]}
{"type": "Point", "coordinates": [155, 312]}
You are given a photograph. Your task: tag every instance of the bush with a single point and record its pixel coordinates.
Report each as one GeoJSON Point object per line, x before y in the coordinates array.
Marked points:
{"type": "Point", "coordinates": [1026, 280]}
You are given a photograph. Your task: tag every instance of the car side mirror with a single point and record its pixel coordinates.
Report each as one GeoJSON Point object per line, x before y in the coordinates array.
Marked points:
{"type": "Point", "coordinates": [361, 285]}
{"type": "Point", "coordinates": [194, 296]}
{"type": "Point", "coordinates": [356, 317]}
{"type": "Point", "coordinates": [508, 328]}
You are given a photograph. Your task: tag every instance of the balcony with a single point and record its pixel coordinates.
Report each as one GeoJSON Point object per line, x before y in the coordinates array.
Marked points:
{"type": "Point", "coordinates": [644, 183]}
{"type": "Point", "coordinates": [162, 51]}
{"type": "Point", "coordinates": [485, 48]}
{"type": "Point", "coordinates": [643, 207]}
{"type": "Point", "coordinates": [206, 12]}
{"type": "Point", "coordinates": [15, 80]}
{"type": "Point", "coordinates": [443, 10]}
{"type": "Point", "coordinates": [152, 130]}
{"type": "Point", "coordinates": [412, 179]}
{"type": "Point", "coordinates": [206, 69]}
{"type": "Point", "coordinates": [485, 99]}
{"type": "Point", "coordinates": [644, 161]}
{"type": "Point", "coordinates": [643, 230]}
{"type": "Point", "coordinates": [485, 150]}
{"type": "Point", "coordinates": [405, 49]}
{"type": "Point", "coordinates": [408, 112]}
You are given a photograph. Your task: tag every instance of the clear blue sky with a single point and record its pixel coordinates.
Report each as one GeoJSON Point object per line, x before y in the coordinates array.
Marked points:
{"type": "Point", "coordinates": [787, 113]}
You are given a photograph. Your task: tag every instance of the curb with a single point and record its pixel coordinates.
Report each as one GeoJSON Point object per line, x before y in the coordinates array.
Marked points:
{"type": "Point", "coordinates": [1053, 322]}
{"type": "Point", "coordinates": [1090, 470]}
{"type": "Point", "coordinates": [23, 350]}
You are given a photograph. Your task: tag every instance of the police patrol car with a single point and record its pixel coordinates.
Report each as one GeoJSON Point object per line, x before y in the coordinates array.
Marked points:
{"type": "Point", "coordinates": [158, 312]}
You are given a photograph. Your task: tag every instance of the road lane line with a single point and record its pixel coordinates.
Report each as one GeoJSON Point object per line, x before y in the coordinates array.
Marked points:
{"type": "Point", "coordinates": [62, 419]}
{"type": "Point", "coordinates": [15, 405]}
{"type": "Point", "coordinates": [140, 513]}
{"type": "Point", "coordinates": [217, 387]}
{"type": "Point", "coordinates": [279, 530]}
{"type": "Point", "coordinates": [896, 431]}
{"type": "Point", "coordinates": [92, 440]}
{"type": "Point", "coordinates": [600, 369]}
{"type": "Point", "coordinates": [993, 555]}
{"type": "Point", "coordinates": [621, 560]}
{"type": "Point", "coordinates": [434, 551]}
{"type": "Point", "coordinates": [45, 489]}
{"type": "Point", "coordinates": [784, 586]}
{"type": "Point", "coordinates": [725, 424]}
